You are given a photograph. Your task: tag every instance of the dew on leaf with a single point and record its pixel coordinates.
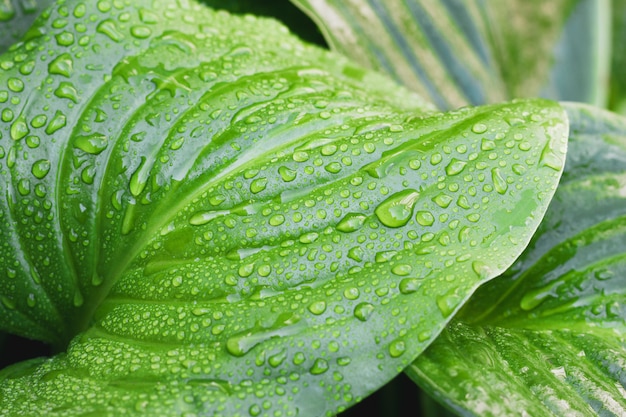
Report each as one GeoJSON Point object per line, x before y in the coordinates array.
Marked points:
{"type": "Point", "coordinates": [62, 65]}
{"type": "Point", "coordinates": [286, 174]}
{"type": "Point", "coordinates": [409, 285]}
{"type": "Point", "coordinates": [109, 28]}
{"type": "Point", "coordinates": [402, 269]}
{"type": "Point", "coordinates": [396, 211]}
{"type": "Point", "coordinates": [455, 166]}
{"type": "Point", "coordinates": [424, 218]}
{"type": "Point", "coordinates": [92, 144]}
{"type": "Point", "coordinates": [479, 128]}
{"type": "Point", "coordinates": [351, 223]}
{"type": "Point", "coordinates": [319, 366]}
{"type": "Point", "coordinates": [499, 182]}
{"type": "Point", "coordinates": [19, 128]}
{"type": "Point", "coordinates": [317, 307]}
{"type": "Point", "coordinates": [363, 311]}
{"type": "Point", "coordinates": [397, 348]}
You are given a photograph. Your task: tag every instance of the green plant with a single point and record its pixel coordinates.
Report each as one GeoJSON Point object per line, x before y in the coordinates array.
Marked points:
{"type": "Point", "coordinates": [204, 215]}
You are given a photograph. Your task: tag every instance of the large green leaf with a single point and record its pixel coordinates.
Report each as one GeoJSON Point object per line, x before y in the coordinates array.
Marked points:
{"type": "Point", "coordinates": [458, 52]}
{"type": "Point", "coordinates": [548, 337]}
{"type": "Point", "coordinates": [16, 16]}
{"type": "Point", "coordinates": [224, 220]}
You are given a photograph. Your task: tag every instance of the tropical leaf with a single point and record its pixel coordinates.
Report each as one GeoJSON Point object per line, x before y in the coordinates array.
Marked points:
{"type": "Point", "coordinates": [547, 338]}
{"type": "Point", "coordinates": [459, 52]}
{"type": "Point", "coordinates": [224, 220]}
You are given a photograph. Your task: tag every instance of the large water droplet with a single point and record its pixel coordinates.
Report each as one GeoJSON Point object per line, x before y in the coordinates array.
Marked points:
{"type": "Point", "coordinates": [455, 166]}
{"type": "Point", "coordinates": [19, 128]}
{"type": "Point", "coordinates": [109, 28]}
{"type": "Point", "coordinates": [317, 307]}
{"type": "Point", "coordinates": [41, 168]}
{"type": "Point", "coordinates": [499, 182]}
{"type": "Point", "coordinates": [397, 348]}
{"type": "Point", "coordinates": [286, 174]}
{"type": "Point", "coordinates": [62, 65]}
{"type": "Point", "coordinates": [93, 144]}
{"type": "Point", "coordinates": [319, 366]}
{"type": "Point", "coordinates": [397, 210]}
{"type": "Point", "coordinates": [285, 325]}
{"type": "Point", "coordinates": [363, 311]}
{"type": "Point", "coordinates": [351, 222]}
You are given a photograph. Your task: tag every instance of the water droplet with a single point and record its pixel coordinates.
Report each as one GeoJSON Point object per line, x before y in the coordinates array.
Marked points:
{"type": "Point", "coordinates": [550, 158]}
{"type": "Point", "coordinates": [402, 269]}
{"type": "Point", "coordinates": [479, 128]}
{"type": "Point", "coordinates": [351, 293]}
{"type": "Point", "coordinates": [363, 311]}
{"type": "Point", "coordinates": [487, 145]}
{"type": "Point", "coordinates": [409, 285]}
{"type": "Point", "coordinates": [58, 121]}
{"type": "Point", "coordinates": [23, 187]}
{"type": "Point", "coordinates": [499, 182]}
{"type": "Point", "coordinates": [109, 28]}
{"type": "Point", "coordinates": [317, 307]}
{"type": "Point", "coordinates": [65, 38]}
{"type": "Point", "coordinates": [356, 253]}
{"type": "Point", "coordinates": [351, 222]}
{"type": "Point", "coordinates": [258, 185]}
{"type": "Point", "coordinates": [79, 300]}
{"type": "Point", "coordinates": [424, 218]}
{"type": "Point", "coordinates": [93, 144]}
{"type": "Point", "coordinates": [333, 167]}
{"type": "Point", "coordinates": [397, 210]}
{"type": "Point", "coordinates": [300, 156]}
{"type": "Point", "coordinates": [285, 325]}
{"type": "Point", "coordinates": [309, 237]}
{"type": "Point", "coordinates": [68, 91]}
{"type": "Point", "coordinates": [15, 85]}
{"type": "Point", "coordinates": [442, 200]}
{"type": "Point", "coordinates": [397, 348]}
{"type": "Point", "coordinates": [448, 302]}
{"type": "Point", "coordinates": [385, 256]}
{"type": "Point", "coordinates": [319, 366]}
{"type": "Point", "coordinates": [277, 220]}
{"type": "Point", "coordinates": [41, 168]}
{"type": "Point", "coordinates": [62, 65]}
{"type": "Point", "coordinates": [19, 128]}
{"type": "Point", "coordinates": [139, 179]}
{"type": "Point", "coordinates": [455, 166]}
{"type": "Point", "coordinates": [287, 174]}
{"type": "Point", "coordinates": [140, 31]}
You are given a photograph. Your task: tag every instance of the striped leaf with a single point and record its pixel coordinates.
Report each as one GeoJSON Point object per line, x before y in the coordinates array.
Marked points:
{"type": "Point", "coordinates": [459, 52]}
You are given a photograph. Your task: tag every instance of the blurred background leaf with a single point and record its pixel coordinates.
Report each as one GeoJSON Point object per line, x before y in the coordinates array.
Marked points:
{"type": "Point", "coordinates": [459, 52]}
{"type": "Point", "coordinates": [617, 101]}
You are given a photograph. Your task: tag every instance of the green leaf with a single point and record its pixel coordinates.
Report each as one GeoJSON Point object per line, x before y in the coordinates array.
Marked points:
{"type": "Point", "coordinates": [547, 338]}
{"type": "Point", "coordinates": [227, 221]}
{"type": "Point", "coordinates": [16, 16]}
{"type": "Point", "coordinates": [617, 99]}
{"type": "Point", "coordinates": [471, 52]}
